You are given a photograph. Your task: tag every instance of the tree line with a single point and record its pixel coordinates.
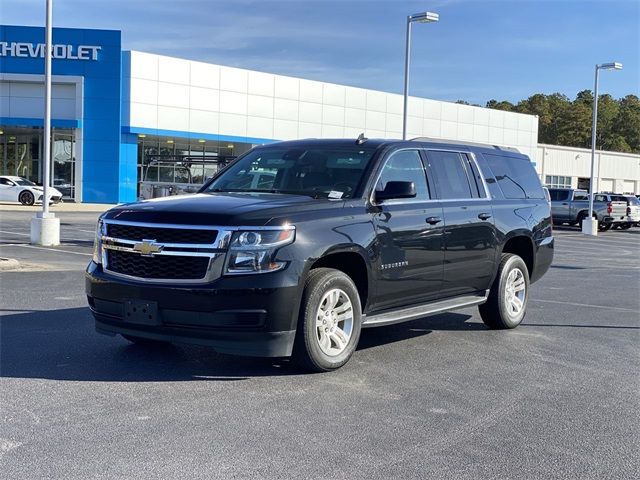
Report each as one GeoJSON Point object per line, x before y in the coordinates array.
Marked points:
{"type": "Point", "coordinates": [562, 121]}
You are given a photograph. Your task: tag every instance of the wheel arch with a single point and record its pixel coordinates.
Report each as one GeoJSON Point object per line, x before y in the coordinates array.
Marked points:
{"type": "Point", "coordinates": [586, 214]}
{"type": "Point", "coordinates": [353, 263]}
{"type": "Point", "coordinates": [522, 245]}
{"type": "Point", "coordinates": [26, 190]}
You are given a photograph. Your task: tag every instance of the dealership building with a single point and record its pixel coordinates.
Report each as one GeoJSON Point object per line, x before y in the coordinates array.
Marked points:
{"type": "Point", "coordinates": [115, 112]}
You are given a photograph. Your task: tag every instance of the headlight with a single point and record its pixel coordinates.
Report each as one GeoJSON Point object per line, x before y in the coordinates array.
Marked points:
{"type": "Point", "coordinates": [253, 251]}
{"type": "Point", "coordinates": [97, 242]}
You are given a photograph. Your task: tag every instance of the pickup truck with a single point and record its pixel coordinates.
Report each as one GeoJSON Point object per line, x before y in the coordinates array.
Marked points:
{"type": "Point", "coordinates": [343, 235]}
{"type": "Point", "coordinates": [572, 207]}
{"type": "Point", "coordinates": [632, 214]}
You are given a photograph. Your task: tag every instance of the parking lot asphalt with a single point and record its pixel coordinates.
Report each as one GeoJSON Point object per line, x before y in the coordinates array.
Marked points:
{"type": "Point", "coordinates": [440, 397]}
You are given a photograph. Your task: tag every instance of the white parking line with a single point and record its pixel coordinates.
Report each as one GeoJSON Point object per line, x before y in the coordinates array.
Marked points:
{"type": "Point", "coordinates": [53, 250]}
{"type": "Point", "coordinates": [16, 233]}
{"type": "Point", "coordinates": [585, 305]}
{"type": "Point", "coordinates": [629, 243]}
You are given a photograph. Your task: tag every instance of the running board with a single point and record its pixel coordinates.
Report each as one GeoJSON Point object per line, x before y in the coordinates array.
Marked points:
{"type": "Point", "coordinates": [420, 311]}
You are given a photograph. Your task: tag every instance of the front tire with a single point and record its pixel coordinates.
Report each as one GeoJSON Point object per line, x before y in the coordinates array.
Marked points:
{"type": "Point", "coordinates": [26, 198]}
{"type": "Point", "coordinates": [330, 321]}
{"type": "Point", "coordinates": [507, 302]}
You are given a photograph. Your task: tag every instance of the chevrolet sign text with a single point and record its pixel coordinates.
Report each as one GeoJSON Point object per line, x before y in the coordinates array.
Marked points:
{"type": "Point", "coordinates": [36, 50]}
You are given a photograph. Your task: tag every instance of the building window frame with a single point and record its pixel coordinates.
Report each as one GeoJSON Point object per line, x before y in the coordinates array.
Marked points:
{"type": "Point", "coordinates": [558, 181]}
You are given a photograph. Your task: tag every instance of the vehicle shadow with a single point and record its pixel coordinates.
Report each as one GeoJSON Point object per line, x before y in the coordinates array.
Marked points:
{"type": "Point", "coordinates": [373, 337]}
{"type": "Point", "coordinates": [62, 345]}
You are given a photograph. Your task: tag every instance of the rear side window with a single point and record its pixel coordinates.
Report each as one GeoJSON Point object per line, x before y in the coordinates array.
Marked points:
{"type": "Point", "coordinates": [559, 195]}
{"type": "Point", "coordinates": [516, 176]}
{"type": "Point", "coordinates": [453, 174]}
{"type": "Point", "coordinates": [580, 195]}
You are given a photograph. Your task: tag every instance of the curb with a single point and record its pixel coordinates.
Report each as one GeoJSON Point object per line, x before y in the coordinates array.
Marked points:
{"type": "Point", "coordinates": [58, 208]}
{"type": "Point", "coordinates": [9, 264]}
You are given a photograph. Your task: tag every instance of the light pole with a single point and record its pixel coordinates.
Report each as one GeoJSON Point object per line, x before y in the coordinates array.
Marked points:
{"type": "Point", "coordinates": [425, 17]}
{"type": "Point", "coordinates": [45, 228]}
{"type": "Point", "coordinates": [589, 226]}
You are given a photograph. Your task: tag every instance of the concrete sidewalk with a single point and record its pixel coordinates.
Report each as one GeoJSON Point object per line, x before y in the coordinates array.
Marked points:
{"type": "Point", "coordinates": [59, 207]}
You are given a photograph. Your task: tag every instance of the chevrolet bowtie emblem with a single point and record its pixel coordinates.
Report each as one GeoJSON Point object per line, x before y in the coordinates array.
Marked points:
{"type": "Point", "coordinates": [147, 247]}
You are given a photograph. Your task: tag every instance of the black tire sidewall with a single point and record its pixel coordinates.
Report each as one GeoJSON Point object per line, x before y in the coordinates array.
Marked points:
{"type": "Point", "coordinates": [314, 291]}
{"type": "Point", "coordinates": [506, 318]}
{"type": "Point", "coordinates": [27, 194]}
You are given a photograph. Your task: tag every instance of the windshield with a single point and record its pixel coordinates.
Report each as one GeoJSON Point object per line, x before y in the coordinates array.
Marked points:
{"type": "Point", "coordinates": [318, 172]}
{"type": "Point", "coordinates": [22, 182]}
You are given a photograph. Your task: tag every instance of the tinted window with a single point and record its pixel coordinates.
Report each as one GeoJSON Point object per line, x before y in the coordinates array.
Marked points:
{"type": "Point", "coordinates": [5, 181]}
{"type": "Point", "coordinates": [320, 172]}
{"type": "Point", "coordinates": [580, 195]}
{"type": "Point", "coordinates": [451, 172]}
{"type": "Point", "coordinates": [516, 176]}
{"type": "Point", "coordinates": [559, 195]}
{"type": "Point", "coordinates": [405, 166]}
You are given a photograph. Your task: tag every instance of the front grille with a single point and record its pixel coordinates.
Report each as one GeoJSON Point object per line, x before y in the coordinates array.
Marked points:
{"type": "Point", "coordinates": [161, 235]}
{"type": "Point", "coordinates": [157, 267]}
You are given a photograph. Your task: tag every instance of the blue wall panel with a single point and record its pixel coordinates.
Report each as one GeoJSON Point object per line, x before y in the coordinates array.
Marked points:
{"type": "Point", "coordinates": [101, 155]}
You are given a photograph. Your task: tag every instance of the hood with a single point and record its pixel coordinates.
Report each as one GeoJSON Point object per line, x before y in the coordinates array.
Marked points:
{"type": "Point", "coordinates": [254, 209]}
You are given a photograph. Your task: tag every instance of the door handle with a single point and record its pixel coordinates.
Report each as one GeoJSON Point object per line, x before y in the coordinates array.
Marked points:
{"type": "Point", "coordinates": [565, 203]}
{"type": "Point", "coordinates": [433, 220]}
{"type": "Point", "coordinates": [484, 216]}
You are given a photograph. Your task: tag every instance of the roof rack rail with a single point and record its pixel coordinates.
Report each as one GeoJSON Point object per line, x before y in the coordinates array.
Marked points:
{"type": "Point", "coordinates": [460, 142]}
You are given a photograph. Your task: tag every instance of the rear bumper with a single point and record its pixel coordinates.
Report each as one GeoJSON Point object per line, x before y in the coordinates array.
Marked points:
{"type": "Point", "coordinates": [225, 315]}
{"type": "Point", "coordinates": [543, 258]}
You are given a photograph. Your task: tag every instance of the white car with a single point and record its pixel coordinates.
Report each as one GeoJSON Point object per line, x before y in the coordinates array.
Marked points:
{"type": "Point", "coordinates": [18, 189]}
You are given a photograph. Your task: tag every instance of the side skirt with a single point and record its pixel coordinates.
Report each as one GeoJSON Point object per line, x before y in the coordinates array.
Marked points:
{"type": "Point", "coordinates": [412, 313]}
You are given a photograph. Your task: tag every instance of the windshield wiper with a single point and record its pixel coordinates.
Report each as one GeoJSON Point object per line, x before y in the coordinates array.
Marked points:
{"type": "Point", "coordinates": [255, 190]}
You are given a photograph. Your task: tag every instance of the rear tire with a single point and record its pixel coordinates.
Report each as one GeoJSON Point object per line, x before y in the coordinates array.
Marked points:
{"type": "Point", "coordinates": [603, 227]}
{"type": "Point", "coordinates": [625, 226]}
{"type": "Point", "coordinates": [330, 321]}
{"type": "Point", "coordinates": [509, 294]}
{"type": "Point", "coordinates": [581, 218]}
{"type": "Point", "coordinates": [26, 198]}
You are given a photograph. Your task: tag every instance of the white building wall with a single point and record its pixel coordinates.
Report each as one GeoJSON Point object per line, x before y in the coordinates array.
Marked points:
{"type": "Point", "coordinates": [618, 172]}
{"type": "Point", "coordinates": [179, 95]}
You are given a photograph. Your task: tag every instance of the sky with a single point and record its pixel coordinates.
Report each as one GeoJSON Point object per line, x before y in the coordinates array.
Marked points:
{"type": "Point", "coordinates": [479, 50]}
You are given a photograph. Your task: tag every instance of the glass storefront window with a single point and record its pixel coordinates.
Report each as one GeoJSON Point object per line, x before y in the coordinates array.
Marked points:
{"type": "Point", "coordinates": [21, 155]}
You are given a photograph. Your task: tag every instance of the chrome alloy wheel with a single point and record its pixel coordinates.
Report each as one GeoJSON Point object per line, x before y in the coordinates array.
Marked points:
{"type": "Point", "coordinates": [515, 293]}
{"type": "Point", "coordinates": [334, 322]}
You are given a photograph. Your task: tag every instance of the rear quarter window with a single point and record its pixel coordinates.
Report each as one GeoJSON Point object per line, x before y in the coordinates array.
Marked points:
{"type": "Point", "coordinates": [516, 176]}
{"type": "Point", "coordinates": [559, 195]}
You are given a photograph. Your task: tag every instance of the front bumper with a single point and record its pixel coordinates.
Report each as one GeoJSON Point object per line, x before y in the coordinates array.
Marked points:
{"type": "Point", "coordinates": [226, 314]}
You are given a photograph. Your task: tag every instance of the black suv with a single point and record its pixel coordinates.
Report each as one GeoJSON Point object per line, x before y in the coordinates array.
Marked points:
{"type": "Point", "coordinates": [296, 246]}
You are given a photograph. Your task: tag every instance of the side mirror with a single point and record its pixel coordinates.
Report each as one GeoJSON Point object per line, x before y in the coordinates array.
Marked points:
{"type": "Point", "coordinates": [395, 189]}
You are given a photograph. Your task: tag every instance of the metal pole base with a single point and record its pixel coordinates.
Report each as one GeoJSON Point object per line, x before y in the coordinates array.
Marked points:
{"type": "Point", "coordinates": [590, 226]}
{"type": "Point", "coordinates": [45, 230]}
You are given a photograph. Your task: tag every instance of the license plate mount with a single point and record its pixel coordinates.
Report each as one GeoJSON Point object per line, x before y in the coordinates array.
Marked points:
{"type": "Point", "coordinates": [141, 312]}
